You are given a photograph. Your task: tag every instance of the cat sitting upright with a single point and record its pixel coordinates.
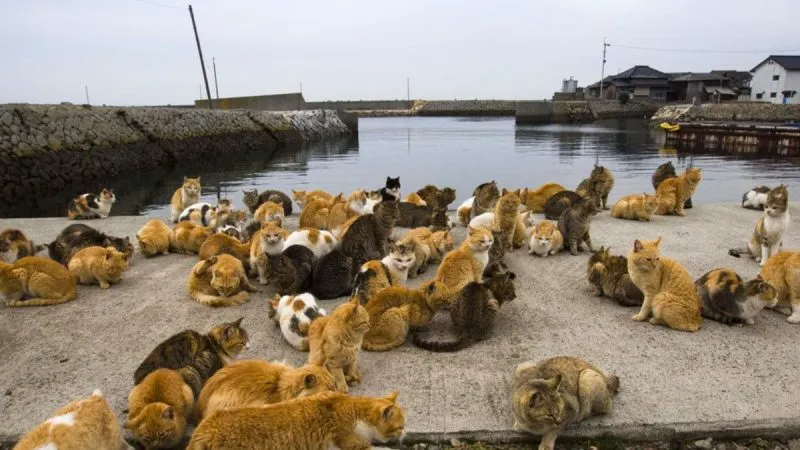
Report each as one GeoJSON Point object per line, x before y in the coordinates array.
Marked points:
{"type": "Point", "coordinates": [768, 234]}
{"type": "Point", "coordinates": [575, 222]}
{"type": "Point", "coordinates": [186, 195]}
{"type": "Point", "coordinates": [391, 189]}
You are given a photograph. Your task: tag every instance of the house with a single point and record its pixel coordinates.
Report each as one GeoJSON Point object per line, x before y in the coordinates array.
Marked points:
{"type": "Point", "coordinates": [704, 87]}
{"type": "Point", "coordinates": [776, 79]}
{"type": "Point", "coordinates": [638, 82]}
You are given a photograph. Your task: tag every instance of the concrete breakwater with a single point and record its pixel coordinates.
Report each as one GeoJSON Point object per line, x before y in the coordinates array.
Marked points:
{"type": "Point", "coordinates": [541, 112]}
{"type": "Point", "coordinates": [44, 148]}
{"type": "Point", "coordinates": [728, 112]}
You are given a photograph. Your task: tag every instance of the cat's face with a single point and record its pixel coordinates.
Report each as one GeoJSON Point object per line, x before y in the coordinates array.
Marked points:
{"type": "Point", "coordinates": [157, 426]}
{"type": "Point", "coordinates": [393, 186]}
{"type": "Point", "coordinates": [272, 234]}
{"type": "Point", "coordinates": [356, 316]}
{"type": "Point", "coordinates": [225, 275]}
{"type": "Point", "coordinates": [544, 406]}
{"type": "Point", "coordinates": [231, 337]}
{"type": "Point", "coordinates": [115, 262]}
{"type": "Point", "coordinates": [250, 198]}
{"type": "Point", "coordinates": [124, 245]}
{"type": "Point", "coordinates": [444, 241]}
{"type": "Point", "coordinates": [502, 286]}
{"type": "Point", "coordinates": [650, 203]}
{"type": "Point", "coordinates": [387, 420]}
{"type": "Point", "coordinates": [402, 256]}
{"type": "Point", "coordinates": [480, 239]}
{"type": "Point", "coordinates": [694, 175]}
{"type": "Point", "coordinates": [224, 206]}
{"type": "Point", "coordinates": [191, 185]}
{"type": "Point", "coordinates": [510, 201]}
{"type": "Point", "coordinates": [447, 196]}
{"type": "Point", "coordinates": [358, 198]}
{"type": "Point", "coordinates": [544, 233]}
{"type": "Point", "coordinates": [646, 256]}
{"type": "Point", "coordinates": [374, 195]}
{"type": "Point", "coordinates": [107, 195]}
{"type": "Point", "coordinates": [766, 293]}
{"type": "Point", "coordinates": [777, 201]}
{"type": "Point", "coordinates": [487, 191]}
{"type": "Point", "coordinates": [299, 197]}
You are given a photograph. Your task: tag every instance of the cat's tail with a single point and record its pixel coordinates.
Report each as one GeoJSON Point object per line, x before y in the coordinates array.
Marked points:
{"type": "Point", "coordinates": [441, 346]}
{"type": "Point", "coordinates": [738, 252]}
{"type": "Point", "coordinates": [220, 301]}
{"type": "Point", "coordinates": [612, 383]}
{"type": "Point", "coordinates": [66, 297]}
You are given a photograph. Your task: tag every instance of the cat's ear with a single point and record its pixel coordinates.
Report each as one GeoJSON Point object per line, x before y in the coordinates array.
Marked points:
{"type": "Point", "coordinates": [657, 242]}
{"type": "Point", "coordinates": [310, 381]}
{"type": "Point", "coordinates": [759, 277]}
{"type": "Point", "coordinates": [392, 397]}
{"type": "Point", "coordinates": [355, 304]}
{"type": "Point", "coordinates": [185, 179]}
{"type": "Point", "coordinates": [511, 276]}
{"type": "Point", "coordinates": [431, 289]}
{"type": "Point", "coordinates": [238, 322]}
{"type": "Point", "coordinates": [198, 179]}
{"type": "Point", "coordinates": [637, 246]}
{"type": "Point", "coordinates": [168, 413]}
{"type": "Point", "coordinates": [504, 191]}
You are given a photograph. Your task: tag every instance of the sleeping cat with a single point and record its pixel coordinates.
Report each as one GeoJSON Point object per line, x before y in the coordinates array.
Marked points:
{"type": "Point", "coordinates": [466, 264]}
{"type": "Point", "coordinates": [367, 237]}
{"type": "Point", "coordinates": [673, 192]}
{"type": "Point", "coordinates": [90, 206]}
{"type": "Point", "coordinates": [473, 312]}
{"type": "Point", "coordinates": [78, 236]}
{"type": "Point", "coordinates": [575, 222]}
{"type": "Point", "coordinates": [486, 195]}
{"type": "Point", "coordinates": [201, 213]}
{"type": "Point", "coordinates": [159, 408]}
{"type": "Point", "coordinates": [391, 189]}
{"type": "Point", "coordinates": [252, 200]}
{"type": "Point", "coordinates": [221, 243]}
{"type": "Point", "coordinates": [220, 281]}
{"type": "Point", "coordinates": [153, 238]}
{"type": "Point", "coordinates": [335, 342]}
{"type": "Point", "coordinates": [728, 299]}
{"type": "Point", "coordinates": [609, 274]}
{"type": "Point", "coordinates": [333, 276]}
{"type": "Point", "coordinates": [186, 195]}
{"type": "Point", "coordinates": [320, 242]}
{"type": "Point", "coordinates": [188, 237]}
{"type": "Point", "coordinates": [558, 203]}
{"type": "Point", "coordinates": [294, 314]}
{"type": "Point", "coordinates": [339, 421]}
{"type": "Point", "coordinates": [551, 394]}
{"type": "Point", "coordinates": [15, 245]}
{"type": "Point", "coordinates": [533, 200]}
{"type": "Point", "coordinates": [635, 207]}
{"type": "Point", "coordinates": [755, 198]}
{"type": "Point", "coordinates": [782, 271]}
{"type": "Point", "coordinates": [103, 266]}
{"type": "Point", "coordinates": [196, 356]}
{"type": "Point", "coordinates": [290, 271]}
{"type": "Point", "coordinates": [36, 281]}
{"type": "Point", "coordinates": [768, 234]}
{"type": "Point", "coordinates": [545, 239]}
{"type": "Point", "coordinates": [302, 198]}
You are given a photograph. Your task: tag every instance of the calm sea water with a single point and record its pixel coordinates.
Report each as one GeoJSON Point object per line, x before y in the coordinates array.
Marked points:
{"type": "Point", "coordinates": [460, 153]}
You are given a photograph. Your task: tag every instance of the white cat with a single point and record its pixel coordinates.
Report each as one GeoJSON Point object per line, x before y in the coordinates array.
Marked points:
{"type": "Point", "coordinates": [485, 220]}
{"type": "Point", "coordinates": [322, 244]}
{"type": "Point", "coordinates": [204, 214]}
{"type": "Point", "coordinates": [755, 198]}
{"type": "Point", "coordinates": [463, 211]}
{"type": "Point", "coordinates": [294, 314]}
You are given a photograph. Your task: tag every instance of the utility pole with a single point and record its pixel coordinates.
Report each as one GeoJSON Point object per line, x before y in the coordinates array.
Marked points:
{"type": "Point", "coordinates": [216, 87]}
{"type": "Point", "coordinates": [408, 88]}
{"type": "Point", "coordinates": [603, 70]}
{"type": "Point", "coordinates": [87, 94]}
{"type": "Point", "coordinates": [301, 86]}
{"type": "Point", "coordinates": [200, 52]}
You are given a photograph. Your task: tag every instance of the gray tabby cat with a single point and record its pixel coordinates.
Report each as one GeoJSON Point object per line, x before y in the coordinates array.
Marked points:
{"type": "Point", "coordinates": [368, 237]}
{"type": "Point", "coordinates": [728, 299]}
{"type": "Point", "coordinates": [575, 222]}
{"type": "Point", "coordinates": [486, 196]}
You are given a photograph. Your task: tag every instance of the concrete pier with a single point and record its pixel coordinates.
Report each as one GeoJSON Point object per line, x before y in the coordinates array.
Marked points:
{"type": "Point", "coordinates": [721, 381]}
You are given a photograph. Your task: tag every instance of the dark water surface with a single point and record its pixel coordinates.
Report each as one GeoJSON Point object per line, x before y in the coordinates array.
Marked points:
{"type": "Point", "coordinates": [456, 152]}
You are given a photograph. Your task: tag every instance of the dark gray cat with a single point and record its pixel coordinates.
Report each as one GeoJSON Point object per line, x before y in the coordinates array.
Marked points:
{"type": "Point", "coordinates": [333, 275]}
{"type": "Point", "coordinates": [252, 199]}
{"type": "Point", "coordinates": [413, 216]}
{"type": "Point", "coordinates": [575, 222]}
{"type": "Point", "coordinates": [291, 271]}
{"type": "Point", "coordinates": [367, 238]}
{"type": "Point", "coordinates": [79, 236]}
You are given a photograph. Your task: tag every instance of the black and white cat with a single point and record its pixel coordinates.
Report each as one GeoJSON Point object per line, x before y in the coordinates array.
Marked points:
{"type": "Point", "coordinates": [392, 188]}
{"type": "Point", "coordinates": [204, 214]}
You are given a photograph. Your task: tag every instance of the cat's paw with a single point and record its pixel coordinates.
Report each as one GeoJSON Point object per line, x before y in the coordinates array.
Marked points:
{"type": "Point", "coordinates": [794, 318]}
{"type": "Point", "coordinates": [639, 317]}
{"type": "Point", "coordinates": [262, 280]}
{"type": "Point", "coordinates": [750, 321]}
{"type": "Point", "coordinates": [105, 285]}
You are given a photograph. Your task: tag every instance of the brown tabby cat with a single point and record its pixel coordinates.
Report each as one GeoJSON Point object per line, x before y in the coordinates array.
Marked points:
{"type": "Point", "coordinates": [221, 243]}
{"type": "Point", "coordinates": [36, 281]}
{"type": "Point", "coordinates": [437, 198]}
{"type": "Point", "coordinates": [252, 200]}
{"type": "Point", "coordinates": [187, 237]}
{"type": "Point", "coordinates": [673, 192]}
{"type": "Point", "coordinates": [669, 292]}
{"type": "Point", "coordinates": [466, 263]}
{"type": "Point", "coordinates": [506, 216]}
{"type": "Point", "coordinates": [549, 395]}
{"type": "Point", "coordinates": [575, 223]}
{"type": "Point", "coordinates": [186, 195]}
{"type": "Point", "coordinates": [334, 341]}
{"type": "Point", "coordinates": [429, 247]}
{"type": "Point", "coordinates": [15, 245]}
{"type": "Point", "coordinates": [534, 200]}
{"type": "Point", "coordinates": [89, 423]}
{"type": "Point", "coordinates": [663, 172]}
{"type": "Point", "coordinates": [782, 271]}
{"type": "Point", "coordinates": [220, 281]}
{"type": "Point", "coordinates": [597, 186]}
{"type": "Point", "coordinates": [78, 236]}
{"type": "Point", "coordinates": [103, 266]}
{"type": "Point", "coordinates": [338, 421]}
{"type": "Point", "coordinates": [257, 383]}
{"type": "Point", "coordinates": [302, 198]}
{"type": "Point", "coordinates": [153, 238]}
{"type": "Point", "coordinates": [609, 274]}
{"type": "Point", "coordinates": [635, 207]}
{"type": "Point", "coordinates": [486, 196]}
{"type": "Point", "coordinates": [159, 408]}
{"type": "Point", "coordinates": [367, 237]}
{"type": "Point", "coordinates": [559, 203]}
{"type": "Point", "coordinates": [728, 299]}
{"type": "Point", "coordinates": [269, 212]}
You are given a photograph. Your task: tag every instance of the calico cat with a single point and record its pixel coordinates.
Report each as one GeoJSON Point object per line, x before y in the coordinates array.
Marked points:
{"type": "Point", "coordinates": [597, 186]}
{"type": "Point", "coordinates": [373, 198]}
{"type": "Point", "coordinates": [663, 172]}
{"type": "Point", "coordinates": [220, 281]}
{"type": "Point", "coordinates": [15, 245]}
{"type": "Point", "coordinates": [551, 394]}
{"type": "Point", "coordinates": [196, 356]}
{"type": "Point", "coordinates": [506, 216]}
{"type": "Point", "coordinates": [302, 198]}
{"type": "Point", "coordinates": [609, 274]}
{"type": "Point", "coordinates": [36, 281]}
{"type": "Point", "coordinates": [88, 423]}
{"type": "Point", "coordinates": [466, 263]}
{"type": "Point", "coordinates": [673, 192]}
{"type": "Point", "coordinates": [342, 212]}
{"type": "Point", "coordinates": [318, 241]}
{"type": "Point", "coordinates": [255, 382]}
{"type": "Point", "coordinates": [533, 200]}
{"type": "Point", "coordinates": [252, 200]}
{"type": "Point", "coordinates": [269, 241]}
{"type": "Point", "coordinates": [558, 203]}
{"type": "Point", "coordinates": [756, 198]}
{"type": "Point", "coordinates": [291, 270]}
{"type": "Point", "coordinates": [768, 235]}
{"type": "Point", "coordinates": [635, 207]}
{"type": "Point", "coordinates": [333, 275]}
{"type": "Point", "coordinates": [782, 271]}
{"type": "Point", "coordinates": [269, 211]}
{"type": "Point", "coordinates": [391, 189]}
{"type": "Point", "coordinates": [153, 238]}
{"type": "Point", "coordinates": [412, 216]}
{"type": "Point", "coordinates": [103, 266]}
{"type": "Point", "coordinates": [221, 243]}
{"type": "Point", "coordinates": [335, 342]}
{"type": "Point", "coordinates": [464, 212]}
{"type": "Point", "coordinates": [669, 292]}
{"type": "Point", "coordinates": [294, 314]}
{"type": "Point", "coordinates": [473, 312]}
{"type": "Point", "coordinates": [201, 213]}
{"type": "Point", "coordinates": [728, 299]}
{"type": "Point", "coordinates": [90, 206]}
{"type": "Point", "coordinates": [367, 237]}
{"type": "Point", "coordinates": [486, 196]}
{"type": "Point", "coordinates": [78, 236]}
{"type": "Point", "coordinates": [546, 239]}
{"type": "Point", "coordinates": [188, 237]}
{"type": "Point", "coordinates": [394, 310]}
{"type": "Point", "coordinates": [159, 409]}
{"type": "Point", "coordinates": [315, 214]}
{"type": "Point", "coordinates": [575, 222]}
{"type": "Point", "coordinates": [437, 198]}
{"type": "Point", "coordinates": [186, 195]}
{"type": "Point", "coordinates": [339, 421]}
{"type": "Point", "coordinates": [429, 247]}
{"type": "Point", "coordinates": [415, 199]}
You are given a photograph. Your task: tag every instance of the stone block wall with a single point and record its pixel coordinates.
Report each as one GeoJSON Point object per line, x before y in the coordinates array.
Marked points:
{"type": "Point", "coordinates": [730, 112]}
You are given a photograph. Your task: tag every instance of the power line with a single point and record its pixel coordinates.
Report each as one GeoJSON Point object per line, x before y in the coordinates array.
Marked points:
{"type": "Point", "coordinates": [688, 50]}
{"type": "Point", "coordinates": [158, 4]}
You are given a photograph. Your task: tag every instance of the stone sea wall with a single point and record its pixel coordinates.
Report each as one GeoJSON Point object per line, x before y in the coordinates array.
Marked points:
{"type": "Point", "coordinates": [540, 112]}
{"type": "Point", "coordinates": [729, 112]}
{"type": "Point", "coordinates": [44, 148]}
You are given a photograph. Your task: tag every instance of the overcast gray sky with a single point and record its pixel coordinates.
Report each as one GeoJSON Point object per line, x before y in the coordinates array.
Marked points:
{"type": "Point", "coordinates": [136, 52]}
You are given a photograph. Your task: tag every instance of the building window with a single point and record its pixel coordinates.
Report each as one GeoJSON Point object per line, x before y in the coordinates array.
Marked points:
{"type": "Point", "coordinates": [760, 96]}
{"type": "Point", "coordinates": [773, 94]}
{"type": "Point", "coordinates": [776, 77]}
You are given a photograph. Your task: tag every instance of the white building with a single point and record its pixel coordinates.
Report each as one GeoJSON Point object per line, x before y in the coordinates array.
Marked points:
{"type": "Point", "coordinates": [776, 80]}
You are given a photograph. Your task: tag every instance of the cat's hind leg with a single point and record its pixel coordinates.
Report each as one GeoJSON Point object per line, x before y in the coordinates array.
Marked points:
{"type": "Point", "coordinates": [593, 394]}
{"type": "Point", "coordinates": [794, 296]}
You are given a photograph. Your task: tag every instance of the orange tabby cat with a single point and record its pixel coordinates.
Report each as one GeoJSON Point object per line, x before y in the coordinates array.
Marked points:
{"type": "Point", "coordinates": [534, 199]}
{"type": "Point", "coordinates": [159, 408]}
{"type": "Point", "coordinates": [342, 212]}
{"type": "Point", "coordinates": [97, 264]}
{"type": "Point", "coordinates": [302, 198]}
{"type": "Point", "coordinates": [187, 237]}
{"type": "Point", "coordinates": [315, 214]}
{"type": "Point", "coordinates": [153, 238]}
{"type": "Point", "coordinates": [673, 192]}
{"type": "Point", "coordinates": [219, 243]}
{"type": "Point", "coordinates": [782, 271]}
{"type": "Point", "coordinates": [268, 240]}
{"type": "Point", "coordinates": [335, 342]}
{"type": "Point", "coordinates": [269, 212]}
{"type": "Point", "coordinates": [669, 291]}
{"type": "Point", "coordinates": [186, 195]}
{"type": "Point", "coordinates": [324, 421]}
{"type": "Point", "coordinates": [429, 247]}
{"type": "Point", "coordinates": [220, 281]}
{"type": "Point", "coordinates": [41, 280]}
{"type": "Point", "coordinates": [506, 216]}
{"type": "Point", "coordinates": [636, 207]}
{"type": "Point", "coordinates": [466, 264]}
{"type": "Point", "coordinates": [89, 423]}
{"type": "Point", "coordinates": [257, 383]}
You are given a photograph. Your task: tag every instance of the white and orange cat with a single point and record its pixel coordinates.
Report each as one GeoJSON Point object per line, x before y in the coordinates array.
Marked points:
{"type": "Point", "coordinates": [185, 196]}
{"type": "Point", "coordinates": [320, 242]}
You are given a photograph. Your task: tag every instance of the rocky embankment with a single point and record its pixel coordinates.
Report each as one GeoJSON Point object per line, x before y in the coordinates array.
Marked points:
{"type": "Point", "coordinates": [729, 112]}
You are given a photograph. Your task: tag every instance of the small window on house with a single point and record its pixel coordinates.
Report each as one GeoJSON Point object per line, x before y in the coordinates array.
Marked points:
{"type": "Point", "coordinates": [776, 77]}
{"type": "Point", "coordinates": [760, 96]}
{"type": "Point", "coordinates": [773, 94]}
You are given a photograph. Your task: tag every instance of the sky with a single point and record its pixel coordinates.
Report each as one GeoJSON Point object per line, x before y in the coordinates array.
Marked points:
{"type": "Point", "coordinates": [143, 52]}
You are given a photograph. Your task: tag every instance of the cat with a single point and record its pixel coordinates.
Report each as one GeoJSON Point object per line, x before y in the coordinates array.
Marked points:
{"type": "Point", "coordinates": [551, 394]}
{"type": "Point", "coordinates": [497, 254]}
{"type": "Point", "coordinates": [36, 281]}
{"type": "Point", "coordinates": [220, 281]}
{"type": "Point", "coordinates": [437, 198]}
{"type": "Point", "coordinates": [415, 199]}
{"type": "Point", "coordinates": [315, 214]}
{"type": "Point", "coordinates": [153, 238]}
{"type": "Point", "coordinates": [367, 237]}
{"type": "Point", "coordinates": [391, 189]}
{"type": "Point", "coordinates": [221, 243]}
{"type": "Point", "coordinates": [635, 207]}
{"type": "Point", "coordinates": [270, 211]}
{"type": "Point", "coordinates": [466, 263]}
{"type": "Point", "coordinates": [429, 248]}
{"type": "Point", "coordinates": [533, 200]}
{"type": "Point", "coordinates": [782, 272]}
{"type": "Point", "coordinates": [575, 223]}
{"type": "Point", "coordinates": [196, 356]}
{"type": "Point", "coordinates": [252, 200]}
{"type": "Point", "coordinates": [90, 206]}
{"type": "Point", "coordinates": [270, 240]}
{"type": "Point", "coordinates": [373, 198]}
{"type": "Point", "coordinates": [78, 236]}
{"type": "Point", "coordinates": [486, 195]}
{"type": "Point", "coordinates": [339, 421]}
{"type": "Point", "coordinates": [159, 408]}
{"type": "Point", "coordinates": [609, 274]}
{"type": "Point", "coordinates": [224, 206]}
{"type": "Point", "coordinates": [335, 342]}
{"type": "Point", "coordinates": [302, 198]}
{"type": "Point", "coordinates": [464, 211]}
{"type": "Point", "coordinates": [342, 212]}
{"type": "Point", "coordinates": [558, 203]}
{"type": "Point", "coordinates": [473, 312]}
{"type": "Point", "coordinates": [673, 192]}
{"type": "Point", "coordinates": [333, 275]}
{"type": "Point", "coordinates": [188, 237]}
{"type": "Point", "coordinates": [187, 194]}
{"type": "Point", "coordinates": [669, 292]}
{"type": "Point", "coordinates": [728, 299]}
{"type": "Point", "coordinates": [103, 266]}
{"type": "Point", "coordinates": [597, 186]}
{"type": "Point", "coordinates": [663, 172]}
{"type": "Point", "coordinates": [546, 239]}
{"type": "Point", "coordinates": [392, 270]}
{"type": "Point", "coordinates": [485, 220]}
{"type": "Point", "coordinates": [294, 314]}
{"type": "Point", "coordinates": [394, 310]}
{"type": "Point", "coordinates": [756, 198]}
{"type": "Point", "coordinates": [88, 423]}
{"type": "Point", "coordinates": [290, 271]}
{"type": "Point", "coordinates": [412, 216]}
{"type": "Point", "coordinates": [201, 213]}
{"type": "Point", "coordinates": [15, 245]}
{"type": "Point", "coordinates": [506, 216]}
{"type": "Point", "coordinates": [320, 242]}
{"type": "Point", "coordinates": [768, 235]}
{"type": "Point", "coordinates": [520, 233]}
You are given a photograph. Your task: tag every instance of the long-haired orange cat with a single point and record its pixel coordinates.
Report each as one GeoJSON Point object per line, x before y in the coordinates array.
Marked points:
{"type": "Point", "coordinates": [187, 237]}
{"type": "Point", "coordinates": [36, 281]}
{"type": "Point", "coordinates": [185, 196]}
{"type": "Point", "coordinates": [159, 408]}
{"type": "Point", "coordinates": [153, 238]}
